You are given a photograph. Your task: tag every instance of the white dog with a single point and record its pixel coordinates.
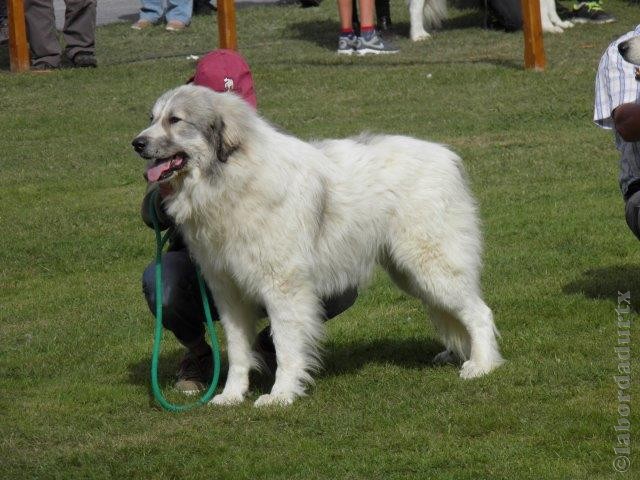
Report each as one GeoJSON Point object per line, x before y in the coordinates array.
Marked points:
{"type": "Point", "coordinates": [630, 50]}
{"type": "Point", "coordinates": [279, 222]}
{"type": "Point", "coordinates": [433, 12]}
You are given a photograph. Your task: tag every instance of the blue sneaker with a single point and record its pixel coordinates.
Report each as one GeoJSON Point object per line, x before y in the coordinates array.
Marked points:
{"type": "Point", "coordinates": [347, 44]}
{"type": "Point", "coordinates": [373, 43]}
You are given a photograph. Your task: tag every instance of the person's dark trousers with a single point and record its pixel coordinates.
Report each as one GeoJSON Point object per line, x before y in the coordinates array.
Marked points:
{"type": "Point", "coordinates": [507, 14]}
{"type": "Point", "coordinates": [182, 311]}
{"type": "Point", "coordinates": [79, 30]}
{"type": "Point", "coordinates": [632, 213]}
{"type": "Point", "coordinates": [182, 304]}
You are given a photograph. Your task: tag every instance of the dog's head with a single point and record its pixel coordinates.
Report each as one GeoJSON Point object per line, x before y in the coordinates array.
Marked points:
{"type": "Point", "coordinates": [630, 50]}
{"type": "Point", "coordinates": [193, 130]}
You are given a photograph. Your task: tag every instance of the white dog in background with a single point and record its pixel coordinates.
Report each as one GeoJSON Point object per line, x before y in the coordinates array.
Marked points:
{"type": "Point", "coordinates": [275, 221]}
{"type": "Point", "coordinates": [630, 50]}
{"type": "Point", "coordinates": [432, 12]}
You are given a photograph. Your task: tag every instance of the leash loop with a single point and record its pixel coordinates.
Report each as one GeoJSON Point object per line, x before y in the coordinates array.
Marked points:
{"type": "Point", "coordinates": [215, 347]}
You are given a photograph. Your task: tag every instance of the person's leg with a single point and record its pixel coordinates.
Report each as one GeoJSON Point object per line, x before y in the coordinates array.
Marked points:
{"type": "Point", "coordinates": [41, 29]}
{"type": "Point", "coordinates": [632, 213]}
{"type": "Point", "coordinates": [183, 315]}
{"type": "Point", "coordinates": [383, 14]}
{"type": "Point", "coordinates": [151, 11]}
{"type": "Point", "coordinates": [370, 41]}
{"type": "Point", "coordinates": [332, 306]}
{"type": "Point", "coordinates": [80, 32]}
{"type": "Point", "coordinates": [507, 14]}
{"type": "Point", "coordinates": [179, 11]}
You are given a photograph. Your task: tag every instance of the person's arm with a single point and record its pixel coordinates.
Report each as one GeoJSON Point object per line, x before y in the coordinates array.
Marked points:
{"type": "Point", "coordinates": [153, 200]}
{"type": "Point", "coordinates": [626, 119]}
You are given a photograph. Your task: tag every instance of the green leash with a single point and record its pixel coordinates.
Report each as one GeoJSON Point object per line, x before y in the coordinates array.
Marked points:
{"type": "Point", "coordinates": [157, 393]}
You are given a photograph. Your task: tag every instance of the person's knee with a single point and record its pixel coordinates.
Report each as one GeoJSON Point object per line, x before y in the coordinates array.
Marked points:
{"type": "Point", "coordinates": [632, 212]}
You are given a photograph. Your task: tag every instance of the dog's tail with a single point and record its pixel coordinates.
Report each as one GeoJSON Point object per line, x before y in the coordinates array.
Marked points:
{"type": "Point", "coordinates": [435, 11]}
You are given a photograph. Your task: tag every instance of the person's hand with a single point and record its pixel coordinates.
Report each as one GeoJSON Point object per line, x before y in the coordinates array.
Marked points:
{"type": "Point", "coordinates": [626, 119]}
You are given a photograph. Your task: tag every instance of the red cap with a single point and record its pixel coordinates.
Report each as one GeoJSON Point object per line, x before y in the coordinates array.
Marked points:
{"type": "Point", "coordinates": [225, 71]}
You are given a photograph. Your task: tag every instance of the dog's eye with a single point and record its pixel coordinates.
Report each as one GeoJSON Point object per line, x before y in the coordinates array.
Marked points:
{"type": "Point", "coordinates": [150, 118]}
{"type": "Point", "coordinates": [173, 120]}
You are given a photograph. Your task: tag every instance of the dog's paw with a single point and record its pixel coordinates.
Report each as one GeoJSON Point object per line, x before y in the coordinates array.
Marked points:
{"type": "Point", "coordinates": [566, 24]}
{"type": "Point", "coordinates": [227, 399]}
{"type": "Point", "coordinates": [269, 399]}
{"type": "Point", "coordinates": [420, 35]}
{"type": "Point", "coordinates": [552, 29]}
{"type": "Point", "coordinates": [446, 357]}
{"type": "Point", "coordinates": [472, 369]}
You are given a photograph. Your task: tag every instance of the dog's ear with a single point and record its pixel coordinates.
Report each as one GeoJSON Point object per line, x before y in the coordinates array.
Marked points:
{"type": "Point", "coordinates": [224, 138]}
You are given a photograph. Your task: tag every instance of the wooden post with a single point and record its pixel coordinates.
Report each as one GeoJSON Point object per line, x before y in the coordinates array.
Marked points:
{"type": "Point", "coordinates": [534, 57]}
{"type": "Point", "coordinates": [18, 46]}
{"type": "Point", "coordinates": [227, 37]}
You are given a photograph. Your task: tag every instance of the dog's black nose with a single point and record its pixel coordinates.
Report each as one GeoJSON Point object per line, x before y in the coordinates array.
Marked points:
{"type": "Point", "coordinates": [139, 144]}
{"type": "Point", "coordinates": [623, 48]}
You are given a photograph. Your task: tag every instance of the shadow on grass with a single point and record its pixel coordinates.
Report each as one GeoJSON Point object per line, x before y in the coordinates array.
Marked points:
{"type": "Point", "coordinates": [606, 282]}
{"type": "Point", "coordinates": [338, 360]}
{"type": "Point", "coordinates": [352, 356]}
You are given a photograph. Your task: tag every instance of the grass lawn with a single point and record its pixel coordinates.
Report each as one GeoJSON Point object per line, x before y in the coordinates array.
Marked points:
{"type": "Point", "coordinates": [75, 333]}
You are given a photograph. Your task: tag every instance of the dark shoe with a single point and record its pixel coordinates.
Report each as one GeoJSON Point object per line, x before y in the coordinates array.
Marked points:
{"type": "Point", "coordinates": [309, 3]}
{"type": "Point", "coordinates": [563, 12]}
{"type": "Point", "coordinates": [43, 67]}
{"type": "Point", "coordinates": [194, 373]}
{"type": "Point", "coordinates": [84, 60]}
{"type": "Point", "coordinates": [203, 7]}
{"type": "Point", "coordinates": [590, 12]}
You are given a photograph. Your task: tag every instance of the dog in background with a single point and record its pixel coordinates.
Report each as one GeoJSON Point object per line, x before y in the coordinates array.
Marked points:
{"type": "Point", "coordinates": [431, 13]}
{"type": "Point", "coordinates": [630, 50]}
{"type": "Point", "coordinates": [272, 220]}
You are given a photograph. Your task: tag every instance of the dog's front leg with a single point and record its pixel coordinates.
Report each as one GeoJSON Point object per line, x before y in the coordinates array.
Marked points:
{"type": "Point", "coordinates": [416, 12]}
{"type": "Point", "coordinates": [238, 318]}
{"type": "Point", "coordinates": [297, 329]}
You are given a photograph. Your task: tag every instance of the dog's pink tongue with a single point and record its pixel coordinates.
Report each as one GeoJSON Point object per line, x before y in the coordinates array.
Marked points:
{"type": "Point", "coordinates": [155, 172]}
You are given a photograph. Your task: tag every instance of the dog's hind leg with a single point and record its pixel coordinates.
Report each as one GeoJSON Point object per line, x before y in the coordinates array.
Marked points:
{"type": "Point", "coordinates": [297, 329]}
{"type": "Point", "coordinates": [463, 320]}
{"type": "Point", "coordinates": [238, 319]}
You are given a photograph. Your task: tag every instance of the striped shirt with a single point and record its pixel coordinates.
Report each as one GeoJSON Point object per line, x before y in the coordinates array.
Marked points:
{"type": "Point", "coordinates": [616, 84]}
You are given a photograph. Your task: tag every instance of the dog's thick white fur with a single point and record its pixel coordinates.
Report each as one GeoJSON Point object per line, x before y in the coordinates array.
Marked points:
{"type": "Point", "coordinates": [276, 221]}
{"type": "Point", "coordinates": [431, 13]}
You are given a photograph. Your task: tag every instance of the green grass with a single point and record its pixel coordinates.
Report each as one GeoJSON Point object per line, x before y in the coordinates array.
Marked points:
{"type": "Point", "coordinates": [75, 333]}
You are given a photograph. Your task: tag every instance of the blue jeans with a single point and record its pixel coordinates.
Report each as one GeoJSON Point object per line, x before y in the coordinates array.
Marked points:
{"type": "Point", "coordinates": [153, 10]}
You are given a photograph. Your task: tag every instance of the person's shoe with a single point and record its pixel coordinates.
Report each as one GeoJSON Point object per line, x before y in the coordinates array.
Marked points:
{"type": "Point", "coordinates": [373, 43]}
{"type": "Point", "coordinates": [142, 24]}
{"type": "Point", "coordinates": [175, 26]}
{"type": "Point", "coordinates": [309, 3]}
{"type": "Point", "coordinates": [194, 373]}
{"type": "Point", "coordinates": [590, 12]}
{"type": "Point", "coordinates": [84, 60]}
{"type": "Point", "coordinates": [347, 44]}
{"type": "Point", "coordinates": [563, 12]}
{"type": "Point", "coordinates": [43, 67]}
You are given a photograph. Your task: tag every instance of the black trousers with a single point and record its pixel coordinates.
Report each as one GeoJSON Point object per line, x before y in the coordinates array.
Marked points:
{"type": "Point", "coordinates": [632, 213]}
{"type": "Point", "coordinates": [182, 304]}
